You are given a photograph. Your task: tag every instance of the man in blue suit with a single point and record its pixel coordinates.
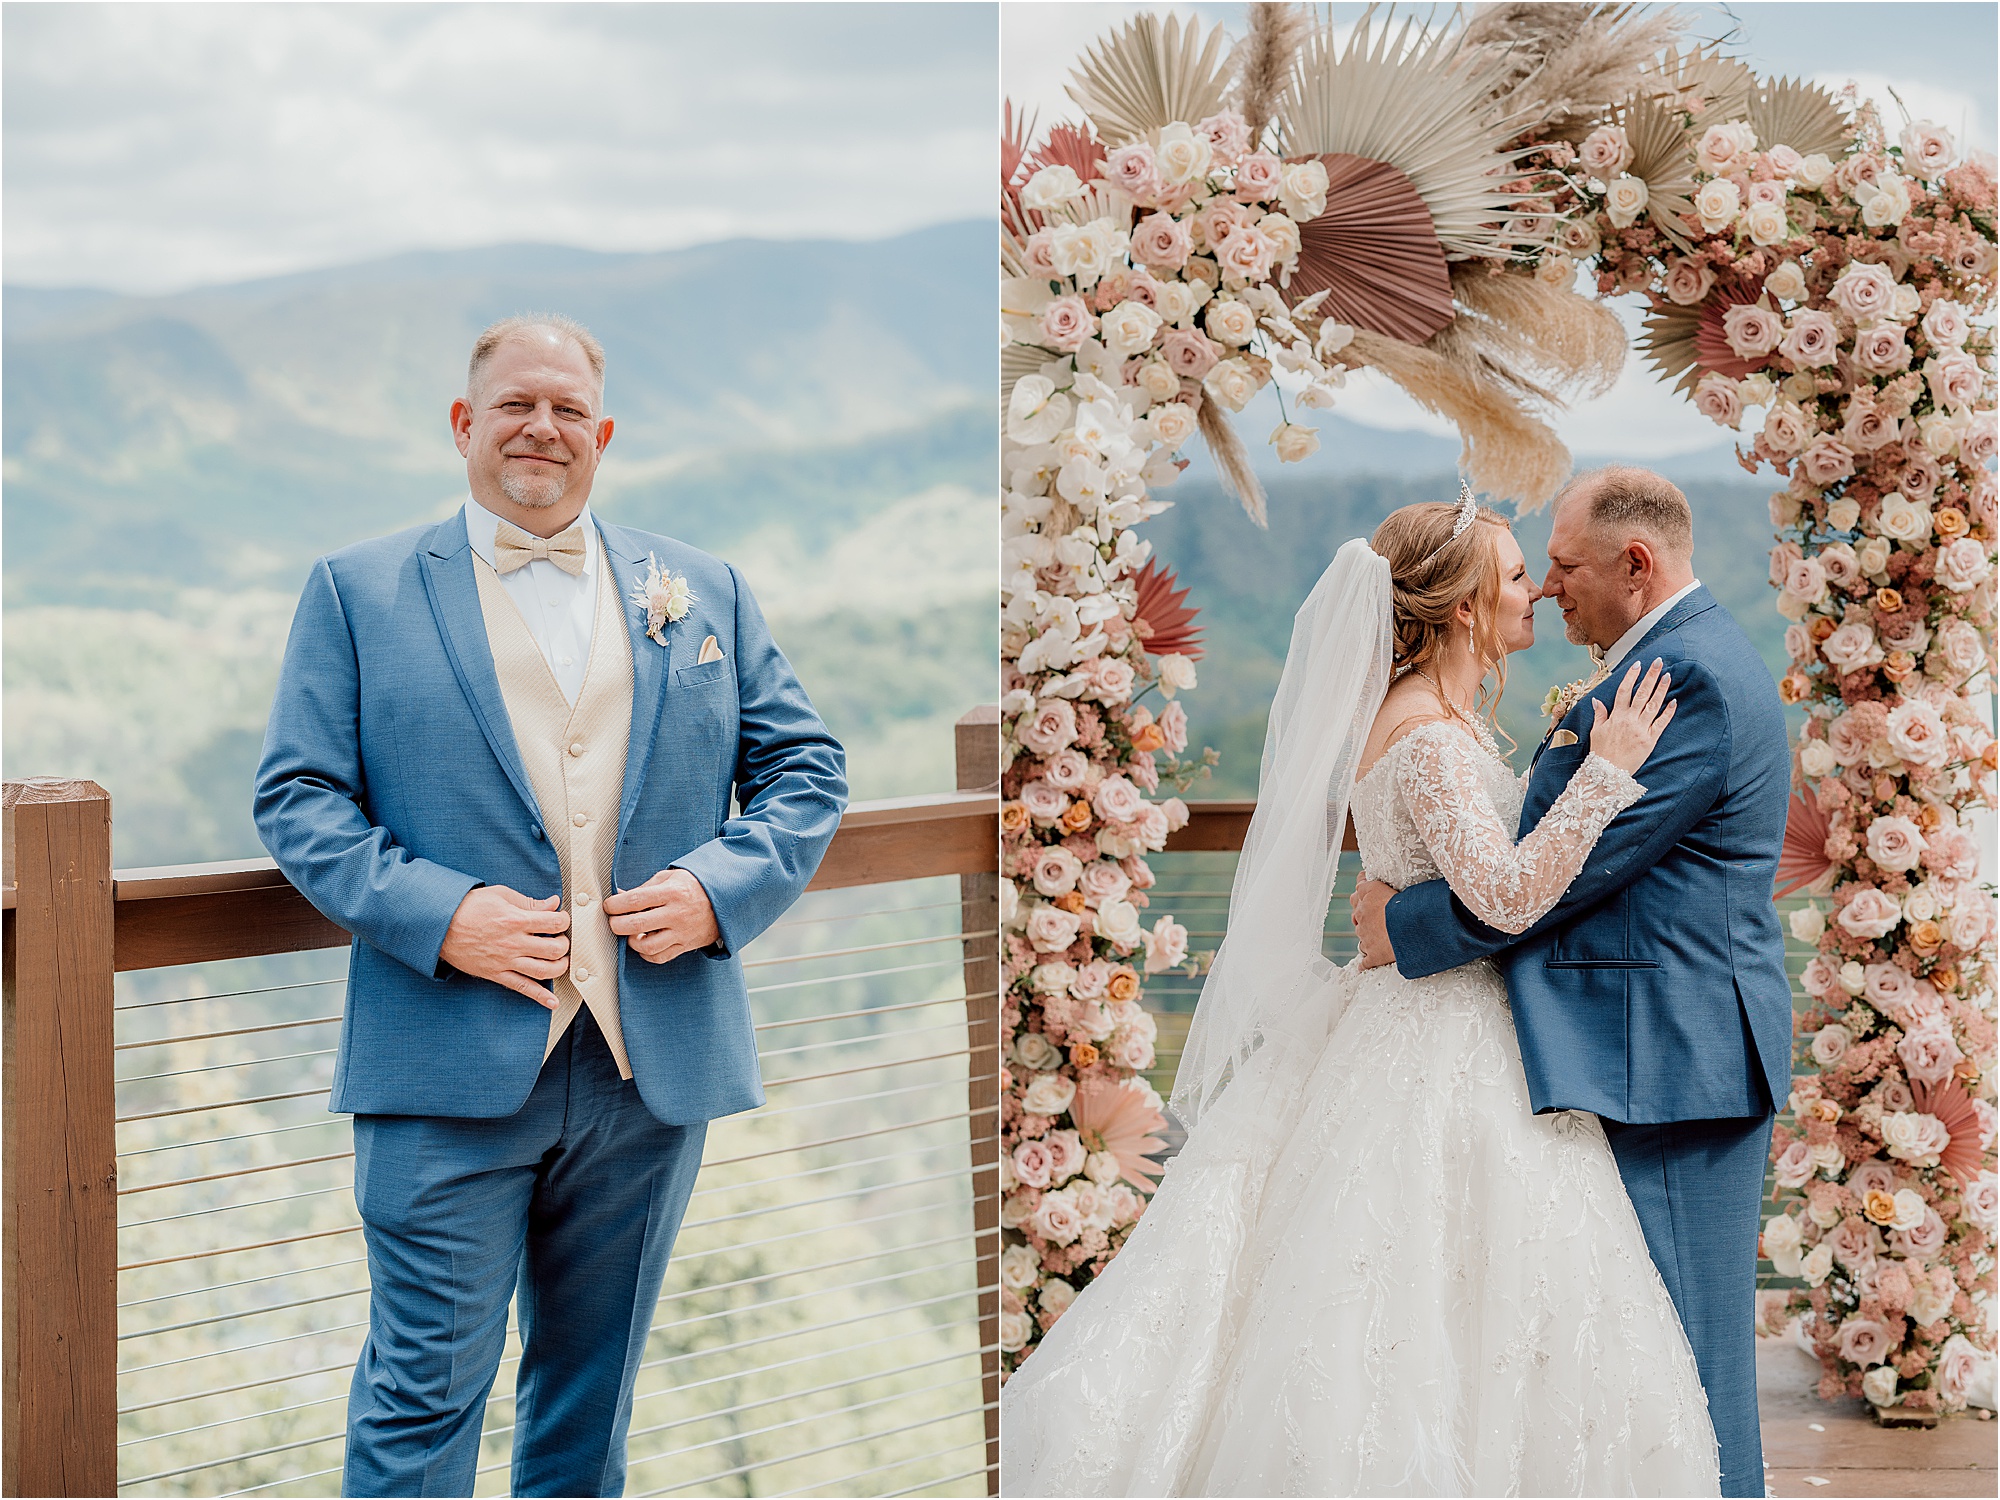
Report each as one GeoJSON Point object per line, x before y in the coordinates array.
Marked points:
{"type": "Point", "coordinates": [1655, 994]}
{"type": "Point", "coordinates": [502, 755]}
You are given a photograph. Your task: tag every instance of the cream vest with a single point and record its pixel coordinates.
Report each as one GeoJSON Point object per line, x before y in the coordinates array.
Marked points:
{"type": "Point", "coordinates": [575, 757]}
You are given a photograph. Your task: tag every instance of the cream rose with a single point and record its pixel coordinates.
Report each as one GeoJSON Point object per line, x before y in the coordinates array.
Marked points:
{"type": "Point", "coordinates": [1851, 648]}
{"type": "Point", "coordinates": [1129, 328]}
{"type": "Point", "coordinates": [1173, 423]}
{"type": "Point", "coordinates": [1914, 1138]}
{"type": "Point", "coordinates": [1717, 203]}
{"type": "Point", "coordinates": [1051, 929]}
{"type": "Point", "coordinates": [1049, 1094]}
{"type": "Point", "coordinates": [1947, 325]}
{"type": "Point", "coordinates": [1118, 922]}
{"type": "Point", "coordinates": [1782, 1244]}
{"type": "Point", "coordinates": [1786, 430]}
{"type": "Point", "coordinates": [1055, 872]}
{"type": "Point", "coordinates": [1302, 189]}
{"type": "Point", "coordinates": [1766, 224]}
{"type": "Point", "coordinates": [1016, 1328]}
{"type": "Point", "coordinates": [1787, 283]}
{"type": "Point", "coordinates": [1869, 914]}
{"type": "Point", "coordinates": [1879, 1386]}
{"type": "Point", "coordinates": [1624, 200]}
{"type": "Point", "coordinates": [1895, 843]}
{"type": "Point", "coordinates": [1182, 155]}
{"type": "Point", "coordinates": [1232, 383]}
{"type": "Point", "coordinates": [1808, 922]}
{"type": "Point", "coordinates": [1715, 398]}
{"type": "Point", "coordinates": [1927, 148]}
{"type": "Point", "coordinates": [1902, 519]}
{"type": "Point", "coordinates": [1959, 1370]}
{"type": "Point", "coordinates": [1037, 1053]}
{"type": "Point", "coordinates": [1916, 734]}
{"type": "Point", "coordinates": [1294, 443]}
{"type": "Point", "coordinates": [1232, 322]}
{"type": "Point", "coordinates": [1020, 1267]}
{"type": "Point", "coordinates": [1812, 342]}
{"type": "Point", "coordinates": [1605, 152]}
{"type": "Point", "coordinates": [1963, 565]}
{"type": "Point", "coordinates": [1051, 187]}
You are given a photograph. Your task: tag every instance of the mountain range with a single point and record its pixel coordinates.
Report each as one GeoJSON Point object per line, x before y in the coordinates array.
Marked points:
{"type": "Point", "coordinates": [817, 412]}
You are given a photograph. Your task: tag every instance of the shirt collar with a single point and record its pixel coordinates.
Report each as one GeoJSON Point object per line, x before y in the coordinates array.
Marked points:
{"type": "Point", "coordinates": [1622, 647]}
{"type": "Point", "coordinates": [481, 525]}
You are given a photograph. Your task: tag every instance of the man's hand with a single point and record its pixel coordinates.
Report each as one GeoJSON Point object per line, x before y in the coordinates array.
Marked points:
{"type": "Point", "coordinates": [1369, 906]}
{"type": "Point", "coordinates": [501, 935]}
{"type": "Point", "coordinates": [667, 916]}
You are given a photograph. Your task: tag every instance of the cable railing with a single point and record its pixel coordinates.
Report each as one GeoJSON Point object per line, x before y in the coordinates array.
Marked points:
{"type": "Point", "coordinates": [196, 1306]}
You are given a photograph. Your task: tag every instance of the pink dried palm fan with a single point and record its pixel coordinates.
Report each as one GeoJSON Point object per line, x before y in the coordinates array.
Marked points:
{"type": "Point", "coordinates": [1951, 1106]}
{"type": "Point", "coordinates": [1111, 1117]}
{"type": "Point", "coordinates": [1163, 619]}
{"type": "Point", "coordinates": [1802, 859]}
{"type": "Point", "coordinates": [1711, 345]}
{"type": "Point", "coordinates": [1374, 252]}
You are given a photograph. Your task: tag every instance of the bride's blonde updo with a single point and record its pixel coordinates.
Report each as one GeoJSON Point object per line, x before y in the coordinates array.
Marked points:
{"type": "Point", "coordinates": [1431, 572]}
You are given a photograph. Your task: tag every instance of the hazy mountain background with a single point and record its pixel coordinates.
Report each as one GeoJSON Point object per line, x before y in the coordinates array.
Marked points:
{"type": "Point", "coordinates": [1248, 583]}
{"type": "Point", "coordinates": [819, 413]}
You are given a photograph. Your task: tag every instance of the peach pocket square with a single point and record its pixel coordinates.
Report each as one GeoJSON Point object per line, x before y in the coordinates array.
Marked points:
{"type": "Point", "coordinates": [1562, 737]}
{"type": "Point", "coordinates": [710, 651]}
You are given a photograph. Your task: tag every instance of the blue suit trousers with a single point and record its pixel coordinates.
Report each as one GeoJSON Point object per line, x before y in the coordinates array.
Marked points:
{"type": "Point", "coordinates": [1697, 1185]}
{"type": "Point", "coordinates": [572, 1204]}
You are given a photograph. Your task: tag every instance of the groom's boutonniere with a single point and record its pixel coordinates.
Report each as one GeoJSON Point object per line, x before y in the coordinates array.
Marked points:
{"type": "Point", "coordinates": [664, 596]}
{"type": "Point", "coordinates": [1556, 707]}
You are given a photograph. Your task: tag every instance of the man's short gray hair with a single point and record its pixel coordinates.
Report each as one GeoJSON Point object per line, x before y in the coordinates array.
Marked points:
{"type": "Point", "coordinates": [1622, 499]}
{"type": "Point", "coordinates": [526, 323]}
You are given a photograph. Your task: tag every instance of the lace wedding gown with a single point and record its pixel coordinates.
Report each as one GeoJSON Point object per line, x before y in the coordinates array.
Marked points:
{"type": "Point", "coordinates": [1372, 1270]}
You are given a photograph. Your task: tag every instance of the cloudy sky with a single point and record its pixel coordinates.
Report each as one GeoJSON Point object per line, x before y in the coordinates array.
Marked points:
{"type": "Point", "coordinates": [1938, 58]}
{"type": "Point", "coordinates": [152, 147]}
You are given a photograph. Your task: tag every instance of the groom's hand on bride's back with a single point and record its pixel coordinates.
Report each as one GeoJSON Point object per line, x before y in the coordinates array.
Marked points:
{"type": "Point", "coordinates": [1368, 905]}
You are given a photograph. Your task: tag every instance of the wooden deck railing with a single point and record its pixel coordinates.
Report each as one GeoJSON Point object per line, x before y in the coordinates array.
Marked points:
{"type": "Point", "coordinates": [72, 923]}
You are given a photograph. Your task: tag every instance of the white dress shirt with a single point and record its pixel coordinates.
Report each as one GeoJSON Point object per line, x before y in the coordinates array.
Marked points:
{"type": "Point", "coordinates": [559, 609]}
{"type": "Point", "coordinates": [1624, 644]}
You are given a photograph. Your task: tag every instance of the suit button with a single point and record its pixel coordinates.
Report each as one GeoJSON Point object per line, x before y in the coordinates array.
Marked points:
{"type": "Point", "coordinates": [536, 832]}
{"type": "Point", "coordinates": [576, 747]}
{"type": "Point", "coordinates": [580, 819]}
{"type": "Point", "coordinates": [583, 976]}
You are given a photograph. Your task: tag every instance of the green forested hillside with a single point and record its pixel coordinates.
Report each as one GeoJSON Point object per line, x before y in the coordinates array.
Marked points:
{"type": "Point", "coordinates": [1248, 584]}
{"type": "Point", "coordinates": [817, 413]}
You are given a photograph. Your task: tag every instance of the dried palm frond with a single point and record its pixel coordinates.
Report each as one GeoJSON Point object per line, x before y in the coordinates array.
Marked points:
{"type": "Point", "coordinates": [1569, 62]}
{"type": "Point", "coordinates": [1951, 1106]}
{"type": "Point", "coordinates": [1804, 116]}
{"type": "Point", "coordinates": [1508, 452]}
{"type": "Point", "coordinates": [1802, 859]}
{"type": "Point", "coordinates": [1161, 616]}
{"type": "Point", "coordinates": [1071, 146]}
{"type": "Point", "coordinates": [1232, 460]}
{"type": "Point", "coordinates": [1015, 134]}
{"type": "Point", "coordinates": [1685, 343]}
{"type": "Point", "coordinates": [1573, 343]}
{"type": "Point", "coordinates": [1419, 102]}
{"type": "Point", "coordinates": [1713, 88]}
{"type": "Point", "coordinates": [1374, 254]}
{"type": "Point", "coordinates": [1264, 61]}
{"type": "Point", "coordinates": [1662, 158]}
{"type": "Point", "coordinates": [1149, 73]}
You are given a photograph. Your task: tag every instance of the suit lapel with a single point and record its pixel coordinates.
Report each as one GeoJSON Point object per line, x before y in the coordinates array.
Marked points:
{"type": "Point", "coordinates": [454, 598]}
{"type": "Point", "coordinates": [649, 664]}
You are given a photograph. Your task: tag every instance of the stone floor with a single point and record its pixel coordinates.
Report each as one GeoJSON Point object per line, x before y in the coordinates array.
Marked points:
{"type": "Point", "coordinates": [1813, 1448]}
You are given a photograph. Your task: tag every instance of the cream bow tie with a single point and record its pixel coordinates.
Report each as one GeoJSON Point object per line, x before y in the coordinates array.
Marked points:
{"type": "Point", "coordinates": [514, 548]}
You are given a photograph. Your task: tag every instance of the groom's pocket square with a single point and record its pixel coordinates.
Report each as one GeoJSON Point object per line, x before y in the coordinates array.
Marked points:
{"type": "Point", "coordinates": [1562, 737]}
{"type": "Point", "coordinates": [712, 652]}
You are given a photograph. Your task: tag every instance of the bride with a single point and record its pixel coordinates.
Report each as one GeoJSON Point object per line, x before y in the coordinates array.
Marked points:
{"type": "Point", "coordinates": [1372, 1269]}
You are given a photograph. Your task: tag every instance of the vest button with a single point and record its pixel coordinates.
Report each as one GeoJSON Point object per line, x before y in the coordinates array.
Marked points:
{"type": "Point", "coordinates": [580, 819]}
{"type": "Point", "coordinates": [576, 747]}
{"type": "Point", "coordinates": [583, 976]}
{"type": "Point", "coordinates": [583, 898]}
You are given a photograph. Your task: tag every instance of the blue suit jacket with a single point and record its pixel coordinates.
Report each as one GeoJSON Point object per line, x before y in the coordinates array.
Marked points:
{"type": "Point", "coordinates": [391, 786]}
{"type": "Point", "coordinates": [1656, 989]}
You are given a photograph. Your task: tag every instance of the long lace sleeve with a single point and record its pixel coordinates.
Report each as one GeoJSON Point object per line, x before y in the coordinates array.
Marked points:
{"type": "Point", "coordinates": [1506, 885]}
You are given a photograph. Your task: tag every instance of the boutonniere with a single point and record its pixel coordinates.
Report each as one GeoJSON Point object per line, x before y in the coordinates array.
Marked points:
{"type": "Point", "coordinates": [664, 596]}
{"type": "Point", "coordinates": [1556, 707]}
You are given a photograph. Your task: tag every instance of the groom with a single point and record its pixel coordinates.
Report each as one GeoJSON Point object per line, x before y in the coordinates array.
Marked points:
{"type": "Point", "coordinates": [511, 781]}
{"type": "Point", "coordinates": [1655, 994]}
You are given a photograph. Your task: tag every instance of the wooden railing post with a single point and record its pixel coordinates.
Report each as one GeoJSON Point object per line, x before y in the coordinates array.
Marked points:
{"type": "Point", "coordinates": [978, 747]}
{"type": "Point", "coordinates": [61, 1174]}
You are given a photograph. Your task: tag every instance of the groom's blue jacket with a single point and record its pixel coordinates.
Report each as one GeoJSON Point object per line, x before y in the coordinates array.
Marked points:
{"type": "Point", "coordinates": [391, 786]}
{"type": "Point", "coordinates": [1656, 989]}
